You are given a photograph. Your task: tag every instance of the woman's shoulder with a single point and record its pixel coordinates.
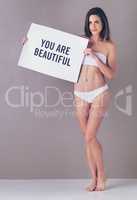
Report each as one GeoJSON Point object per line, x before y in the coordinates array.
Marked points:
{"type": "Point", "coordinates": [110, 45]}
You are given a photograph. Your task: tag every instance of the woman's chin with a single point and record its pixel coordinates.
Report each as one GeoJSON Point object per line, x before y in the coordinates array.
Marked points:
{"type": "Point", "coordinates": [95, 33]}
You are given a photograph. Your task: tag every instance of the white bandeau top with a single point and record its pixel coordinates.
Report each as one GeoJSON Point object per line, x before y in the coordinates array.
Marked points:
{"type": "Point", "coordinates": [89, 60]}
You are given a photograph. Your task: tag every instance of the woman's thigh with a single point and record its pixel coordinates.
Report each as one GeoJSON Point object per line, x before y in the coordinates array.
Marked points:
{"type": "Point", "coordinates": [82, 112]}
{"type": "Point", "coordinates": [97, 113]}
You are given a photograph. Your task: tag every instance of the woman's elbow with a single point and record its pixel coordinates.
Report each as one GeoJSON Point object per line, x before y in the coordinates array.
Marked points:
{"type": "Point", "coordinates": [112, 75]}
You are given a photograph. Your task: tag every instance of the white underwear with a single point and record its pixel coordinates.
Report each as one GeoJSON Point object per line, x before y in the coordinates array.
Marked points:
{"type": "Point", "coordinates": [90, 95]}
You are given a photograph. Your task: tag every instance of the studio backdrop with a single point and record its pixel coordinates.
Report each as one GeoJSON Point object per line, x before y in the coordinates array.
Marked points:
{"type": "Point", "coordinates": [39, 133]}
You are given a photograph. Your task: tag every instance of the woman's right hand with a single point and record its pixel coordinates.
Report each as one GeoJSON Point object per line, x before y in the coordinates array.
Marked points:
{"type": "Point", "coordinates": [24, 40]}
{"type": "Point", "coordinates": [88, 51]}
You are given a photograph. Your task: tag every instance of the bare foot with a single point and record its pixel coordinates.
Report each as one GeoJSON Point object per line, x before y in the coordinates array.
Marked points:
{"type": "Point", "coordinates": [101, 184]}
{"type": "Point", "coordinates": [91, 187]}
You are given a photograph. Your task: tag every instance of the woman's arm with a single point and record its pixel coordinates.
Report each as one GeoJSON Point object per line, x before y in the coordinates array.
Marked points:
{"type": "Point", "coordinates": [109, 70]}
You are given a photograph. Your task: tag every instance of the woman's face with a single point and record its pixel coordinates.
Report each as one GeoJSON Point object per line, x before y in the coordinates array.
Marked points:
{"type": "Point", "coordinates": [95, 24]}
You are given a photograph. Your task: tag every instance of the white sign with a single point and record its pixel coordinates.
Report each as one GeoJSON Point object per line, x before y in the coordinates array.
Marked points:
{"type": "Point", "coordinates": [53, 52]}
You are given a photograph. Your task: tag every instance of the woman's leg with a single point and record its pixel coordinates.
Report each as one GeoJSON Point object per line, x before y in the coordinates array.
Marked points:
{"type": "Point", "coordinates": [96, 114]}
{"type": "Point", "coordinates": [93, 169]}
{"type": "Point", "coordinates": [82, 111]}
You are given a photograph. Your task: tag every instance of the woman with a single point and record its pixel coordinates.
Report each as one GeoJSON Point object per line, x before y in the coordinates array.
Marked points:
{"type": "Point", "coordinates": [91, 92]}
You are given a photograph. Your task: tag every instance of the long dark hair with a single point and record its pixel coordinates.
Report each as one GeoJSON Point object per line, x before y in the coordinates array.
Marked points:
{"type": "Point", "coordinates": [105, 33]}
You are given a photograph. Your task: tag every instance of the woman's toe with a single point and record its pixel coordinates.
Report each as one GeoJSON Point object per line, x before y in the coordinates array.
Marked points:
{"type": "Point", "coordinates": [91, 187]}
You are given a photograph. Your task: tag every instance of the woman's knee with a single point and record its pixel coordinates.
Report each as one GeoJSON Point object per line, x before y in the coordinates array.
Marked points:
{"type": "Point", "coordinates": [90, 133]}
{"type": "Point", "coordinates": [89, 138]}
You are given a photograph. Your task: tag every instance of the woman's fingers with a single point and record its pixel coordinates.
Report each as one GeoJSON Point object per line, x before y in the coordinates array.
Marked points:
{"type": "Point", "coordinates": [88, 51]}
{"type": "Point", "coordinates": [24, 40]}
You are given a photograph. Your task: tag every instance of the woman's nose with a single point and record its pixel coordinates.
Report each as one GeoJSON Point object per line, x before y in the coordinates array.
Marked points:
{"type": "Point", "coordinates": [93, 26]}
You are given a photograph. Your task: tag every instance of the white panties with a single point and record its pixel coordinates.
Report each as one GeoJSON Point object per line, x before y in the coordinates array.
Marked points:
{"type": "Point", "coordinates": [90, 95]}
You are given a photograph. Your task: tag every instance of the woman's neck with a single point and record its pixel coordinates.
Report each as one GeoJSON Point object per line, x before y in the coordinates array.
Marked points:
{"type": "Point", "coordinates": [95, 39]}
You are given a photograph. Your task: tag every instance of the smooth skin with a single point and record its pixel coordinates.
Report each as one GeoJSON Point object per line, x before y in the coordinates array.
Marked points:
{"type": "Point", "coordinates": [90, 115]}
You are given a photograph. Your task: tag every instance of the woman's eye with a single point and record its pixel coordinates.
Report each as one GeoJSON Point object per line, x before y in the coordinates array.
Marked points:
{"type": "Point", "coordinates": [90, 23]}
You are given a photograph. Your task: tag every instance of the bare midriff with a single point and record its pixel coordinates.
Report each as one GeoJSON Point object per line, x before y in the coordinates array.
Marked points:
{"type": "Point", "coordinates": [90, 78]}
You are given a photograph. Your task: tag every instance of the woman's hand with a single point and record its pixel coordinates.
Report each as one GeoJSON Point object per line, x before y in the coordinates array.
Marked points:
{"type": "Point", "coordinates": [24, 40]}
{"type": "Point", "coordinates": [89, 51]}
